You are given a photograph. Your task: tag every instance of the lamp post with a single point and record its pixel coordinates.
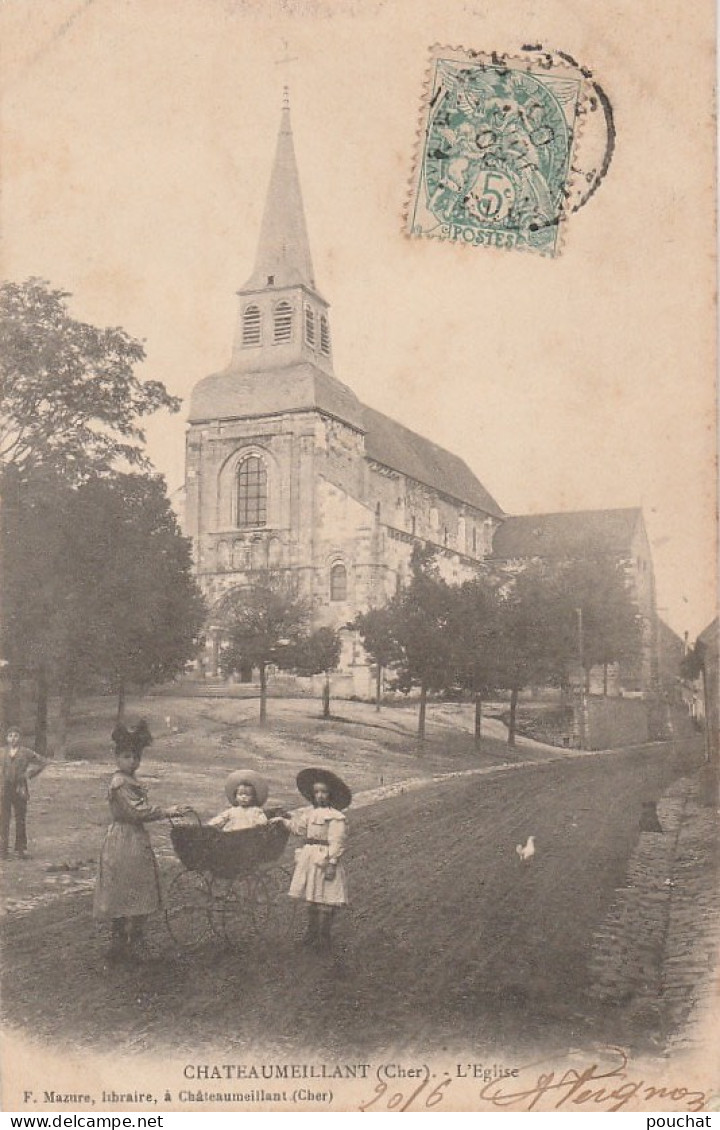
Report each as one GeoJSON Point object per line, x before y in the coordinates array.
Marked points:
{"type": "Point", "coordinates": [583, 695]}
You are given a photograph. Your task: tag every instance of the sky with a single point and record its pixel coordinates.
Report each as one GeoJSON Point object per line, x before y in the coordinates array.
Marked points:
{"type": "Point", "coordinates": [138, 138]}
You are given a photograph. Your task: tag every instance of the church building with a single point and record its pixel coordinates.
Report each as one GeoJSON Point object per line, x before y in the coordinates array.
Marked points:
{"type": "Point", "coordinates": [286, 469]}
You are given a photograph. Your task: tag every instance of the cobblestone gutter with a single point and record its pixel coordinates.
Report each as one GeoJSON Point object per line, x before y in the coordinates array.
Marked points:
{"type": "Point", "coordinates": [657, 951]}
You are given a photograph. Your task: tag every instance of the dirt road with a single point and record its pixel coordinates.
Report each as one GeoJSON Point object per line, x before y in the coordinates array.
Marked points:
{"type": "Point", "coordinates": [450, 938]}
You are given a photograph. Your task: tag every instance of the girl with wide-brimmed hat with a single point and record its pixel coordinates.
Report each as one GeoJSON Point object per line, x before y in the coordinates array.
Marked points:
{"type": "Point", "coordinates": [247, 792]}
{"type": "Point", "coordinates": [319, 876]}
{"type": "Point", "coordinates": [127, 889]}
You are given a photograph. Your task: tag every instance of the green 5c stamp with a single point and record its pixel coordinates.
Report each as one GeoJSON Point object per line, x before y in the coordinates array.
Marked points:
{"type": "Point", "coordinates": [498, 160]}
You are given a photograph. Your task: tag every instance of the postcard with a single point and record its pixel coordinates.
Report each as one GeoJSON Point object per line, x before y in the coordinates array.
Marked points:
{"type": "Point", "coordinates": [359, 551]}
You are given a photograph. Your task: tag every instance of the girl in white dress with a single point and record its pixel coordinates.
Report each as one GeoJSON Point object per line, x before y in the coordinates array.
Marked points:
{"type": "Point", "coordinates": [319, 876]}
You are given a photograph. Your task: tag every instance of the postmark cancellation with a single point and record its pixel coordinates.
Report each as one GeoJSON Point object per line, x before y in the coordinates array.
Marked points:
{"type": "Point", "coordinates": [500, 159]}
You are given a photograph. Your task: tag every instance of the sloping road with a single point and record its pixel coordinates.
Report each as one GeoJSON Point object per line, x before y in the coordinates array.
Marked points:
{"type": "Point", "coordinates": [451, 940]}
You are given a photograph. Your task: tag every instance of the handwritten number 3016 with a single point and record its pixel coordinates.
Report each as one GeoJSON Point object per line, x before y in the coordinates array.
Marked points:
{"type": "Point", "coordinates": [399, 1102]}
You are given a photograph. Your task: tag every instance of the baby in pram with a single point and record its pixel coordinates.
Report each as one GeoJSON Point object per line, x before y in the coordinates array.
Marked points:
{"type": "Point", "coordinates": [247, 792]}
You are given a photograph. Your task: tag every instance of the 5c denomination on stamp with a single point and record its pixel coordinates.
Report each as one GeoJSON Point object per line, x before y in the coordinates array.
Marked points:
{"type": "Point", "coordinates": [499, 160]}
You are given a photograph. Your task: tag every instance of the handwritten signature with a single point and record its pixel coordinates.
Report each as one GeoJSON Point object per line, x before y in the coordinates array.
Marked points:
{"type": "Point", "coordinates": [607, 1086]}
{"type": "Point", "coordinates": [579, 1086]}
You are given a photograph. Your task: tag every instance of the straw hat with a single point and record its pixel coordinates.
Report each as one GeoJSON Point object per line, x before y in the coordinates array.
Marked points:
{"type": "Point", "coordinates": [340, 794]}
{"type": "Point", "coordinates": [246, 777]}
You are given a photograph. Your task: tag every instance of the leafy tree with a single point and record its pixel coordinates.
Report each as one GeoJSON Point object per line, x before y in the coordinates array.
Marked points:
{"type": "Point", "coordinates": [532, 641]}
{"type": "Point", "coordinates": [136, 608]}
{"type": "Point", "coordinates": [263, 625]}
{"type": "Point", "coordinates": [420, 618]}
{"type": "Point", "coordinates": [317, 654]}
{"type": "Point", "coordinates": [376, 628]}
{"type": "Point", "coordinates": [98, 586]}
{"type": "Point", "coordinates": [71, 405]}
{"type": "Point", "coordinates": [601, 616]}
{"type": "Point", "coordinates": [474, 628]}
{"type": "Point", "coordinates": [70, 397]}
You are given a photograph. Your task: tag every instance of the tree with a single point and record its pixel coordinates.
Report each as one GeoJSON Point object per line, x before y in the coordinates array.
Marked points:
{"type": "Point", "coordinates": [263, 625]}
{"type": "Point", "coordinates": [316, 654]}
{"type": "Point", "coordinates": [71, 403]}
{"type": "Point", "coordinates": [531, 635]}
{"type": "Point", "coordinates": [136, 608]}
{"type": "Point", "coordinates": [376, 628]}
{"type": "Point", "coordinates": [99, 585]}
{"type": "Point", "coordinates": [420, 616]}
{"type": "Point", "coordinates": [474, 628]}
{"type": "Point", "coordinates": [70, 397]}
{"type": "Point", "coordinates": [602, 620]}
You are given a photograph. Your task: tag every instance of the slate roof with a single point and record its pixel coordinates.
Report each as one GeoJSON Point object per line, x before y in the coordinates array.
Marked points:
{"type": "Point", "coordinates": [395, 446]}
{"type": "Point", "coordinates": [566, 534]}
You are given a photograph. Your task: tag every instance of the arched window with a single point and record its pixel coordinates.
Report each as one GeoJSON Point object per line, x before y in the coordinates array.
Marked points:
{"type": "Point", "coordinates": [274, 552]}
{"type": "Point", "coordinates": [338, 582]}
{"type": "Point", "coordinates": [251, 326]}
{"type": "Point", "coordinates": [309, 326]}
{"type": "Point", "coordinates": [324, 335]}
{"type": "Point", "coordinates": [283, 322]}
{"type": "Point", "coordinates": [252, 492]}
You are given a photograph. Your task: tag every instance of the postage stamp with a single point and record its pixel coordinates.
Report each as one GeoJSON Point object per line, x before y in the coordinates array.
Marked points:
{"type": "Point", "coordinates": [498, 160]}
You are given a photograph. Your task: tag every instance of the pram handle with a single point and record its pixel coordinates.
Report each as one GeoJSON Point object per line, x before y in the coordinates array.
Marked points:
{"type": "Point", "coordinates": [188, 813]}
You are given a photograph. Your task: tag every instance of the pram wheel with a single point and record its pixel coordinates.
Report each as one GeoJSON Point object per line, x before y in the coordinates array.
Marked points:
{"type": "Point", "coordinates": [247, 908]}
{"type": "Point", "coordinates": [188, 910]}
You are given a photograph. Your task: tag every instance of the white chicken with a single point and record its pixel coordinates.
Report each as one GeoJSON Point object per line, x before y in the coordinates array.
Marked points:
{"type": "Point", "coordinates": [528, 851]}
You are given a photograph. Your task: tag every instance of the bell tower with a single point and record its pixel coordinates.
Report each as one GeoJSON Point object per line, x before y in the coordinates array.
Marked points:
{"type": "Point", "coordinates": [282, 319]}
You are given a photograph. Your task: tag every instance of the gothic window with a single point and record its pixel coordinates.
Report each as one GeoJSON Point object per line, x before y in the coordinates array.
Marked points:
{"type": "Point", "coordinates": [378, 510]}
{"type": "Point", "coordinates": [338, 582]}
{"type": "Point", "coordinates": [474, 539]}
{"type": "Point", "coordinates": [252, 492]}
{"type": "Point", "coordinates": [445, 535]}
{"type": "Point", "coordinates": [223, 556]}
{"type": "Point", "coordinates": [283, 322]}
{"type": "Point", "coordinates": [309, 326]}
{"type": "Point", "coordinates": [238, 555]}
{"type": "Point", "coordinates": [324, 335]}
{"type": "Point", "coordinates": [461, 534]}
{"type": "Point", "coordinates": [251, 327]}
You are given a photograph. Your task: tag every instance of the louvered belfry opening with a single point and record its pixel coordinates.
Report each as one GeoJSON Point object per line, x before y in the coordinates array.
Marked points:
{"type": "Point", "coordinates": [309, 325]}
{"type": "Point", "coordinates": [283, 322]}
{"type": "Point", "coordinates": [324, 336]}
{"type": "Point", "coordinates": [252, 327]}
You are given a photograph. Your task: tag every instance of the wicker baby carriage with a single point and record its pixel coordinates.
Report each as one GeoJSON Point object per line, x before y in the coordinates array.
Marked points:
{"type": "Point", "coordinates": [231, 884]}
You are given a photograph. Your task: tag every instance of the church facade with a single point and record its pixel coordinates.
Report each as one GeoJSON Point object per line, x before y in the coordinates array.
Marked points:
{"type": "Point", "coordinates": [287, 470]}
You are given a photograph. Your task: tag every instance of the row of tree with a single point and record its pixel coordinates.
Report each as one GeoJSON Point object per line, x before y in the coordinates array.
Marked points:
{"type": "Point", "coordinates": [496, 632]}
{"type": "Point", "coordinates": [503, 631]}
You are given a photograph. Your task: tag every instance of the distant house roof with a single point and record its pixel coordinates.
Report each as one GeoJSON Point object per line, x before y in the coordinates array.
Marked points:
{"type": "Point", "coordinates": [566, 533]}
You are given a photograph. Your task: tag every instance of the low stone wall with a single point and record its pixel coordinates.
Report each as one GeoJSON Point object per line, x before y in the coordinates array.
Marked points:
{"type": "Point", "coordinates": [615, 722]}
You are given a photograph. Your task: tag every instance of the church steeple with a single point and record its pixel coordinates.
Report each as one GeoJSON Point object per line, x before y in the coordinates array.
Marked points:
{"type": "Point", "coordinates": [283, 253]}
{"type": "Point", "coordinates": [283, 320]}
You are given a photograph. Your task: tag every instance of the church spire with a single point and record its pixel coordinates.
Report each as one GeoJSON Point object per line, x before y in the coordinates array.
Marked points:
{"type": "Point", "coordinates": [283, 255]}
